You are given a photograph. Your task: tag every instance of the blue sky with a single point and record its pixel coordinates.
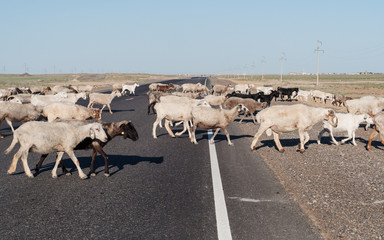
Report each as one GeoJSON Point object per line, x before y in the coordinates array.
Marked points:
{"type": "Point", "coordinates": [190, 37]}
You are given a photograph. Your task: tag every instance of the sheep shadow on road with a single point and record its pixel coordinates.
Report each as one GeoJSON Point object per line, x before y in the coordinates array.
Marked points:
{"type": "Point", "coordinates": [219, 137]}
{"type": "Point", "coordinates": [284, 143]}
{"type": "Point", "coordinates": [114, 161]}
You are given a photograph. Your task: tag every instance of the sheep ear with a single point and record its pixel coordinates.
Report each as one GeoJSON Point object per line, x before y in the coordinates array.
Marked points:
{"type": "Point", "coordinates": [92, 134]}
{"type": "Point", "coordinates": [371, 115]}
{"type": "Point", "coordinates": [331, 113]}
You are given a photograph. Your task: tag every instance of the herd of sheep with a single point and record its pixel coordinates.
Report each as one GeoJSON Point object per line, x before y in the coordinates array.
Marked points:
{"type": "Point", "coordinates": [193, 105]}
{"type": "Point", "coordinates": [66, 129]}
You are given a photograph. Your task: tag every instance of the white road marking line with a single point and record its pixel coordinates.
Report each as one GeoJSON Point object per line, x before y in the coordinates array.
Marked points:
{"type": "Point", "coordinates": [223, 229]}
{"type": "Point", "coordinates": [249, 200]}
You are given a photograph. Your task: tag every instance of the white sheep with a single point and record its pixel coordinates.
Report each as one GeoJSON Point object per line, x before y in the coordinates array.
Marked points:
{"type": "Point", "coordinates": [202, 89]}
{"type": "Point", "coordinates": [103, 99]}
{"type": "Point", "coordinates": [44, 100]}
{"type": "Point", "coordinates": [175, 112]}
{"type": "Point", "coordinates": [84, 88]}
{"type": "Point", "coordinates": [303, 95]}
{"type": "Point", "coordinates": [190, 87]}
{"type": "Point", "coordinates": [220, 89]}
{"type": "Point", "coordinates": [322, 96]}
{"type": "Point", "coordinates": [249, 103]}
{"type": "Point", "coordinates": [242, 88]}
{"type": "Point", "coordinates": [45, 138]}
{"type": "Point", "coordinates": [58, 88]}
{"type": "Point", "coordinates": [15, 112]}
{"type": "Point", "coordinates": [265, 90]}
{"type": "Point", "coordinates": [69, 111]}
{"type": "Point", "coordinates": [216, 100]}
{"type": "Point", "coordinates": [281, 118]}
{"type": "Point", "coordinates": [347, 122]}
{"type": "Point", "coordinates": [210, 118]}
{"type": "Point", "coordinates": [74, 97]}
{"type": "Point", "coordinates": [188, 94]}
{"type": "Point", "coordinates": [130, 88]}
{"type": "Point", "coordinates": [366, 104]}
{"type": "Point", "coordinates": [153, 98]}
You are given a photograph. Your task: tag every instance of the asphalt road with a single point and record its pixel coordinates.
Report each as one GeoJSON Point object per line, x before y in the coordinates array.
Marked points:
{"type": "Point", "coordinates": [158, 189]}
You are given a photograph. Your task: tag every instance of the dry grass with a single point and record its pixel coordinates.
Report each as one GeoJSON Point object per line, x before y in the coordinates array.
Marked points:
{"type": "Point", "coordinates": [350, 85]}
{"type": "Point", "coordinates": [16, 80]}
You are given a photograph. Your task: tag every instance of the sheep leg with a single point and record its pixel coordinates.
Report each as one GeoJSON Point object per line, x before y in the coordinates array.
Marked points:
{"type": "Point", "coordinates": [109, 107]}
{"type": "Point", "coordinates": [154, 127]}
{"type": "Point", "coordinates": [90, 104]}
{"type": "Point", "coordinates": [91, 169]}
{"type": "Point", "coordinates": [102, 109]}
{"type": "Point", "coordinates": [277, 142]}
{"type": "Point", "coordinates": [301, 144]}
{"type": "Point", "coordinates": [15, 159]}
{"type": "Point", "coordinates": [24, 158]}
{"type": "Point", "coordinates": [149, 107]}
{"type": "Point", "coordinates": [58, 159]}
{"type": "Point", "coordinates": [178, 123]}
{"type": "Point", "coordinates": [227, 134]}
{"type": "Point", "coordinates": [77, 164]}
{"type": "Point", "coordinates": [38, 165]}
{"type": "Point", "coordinates": [99, 149]}
{"type": "Point", "coordinates": [193, 136]}
{"type": "Point", "coordinates": [353, 138]}
{"type": "Point", "coordinates": [306, 137]}
{"type": "Point", "coordinates": [168, 129]}
{"type": "Point", "coordinates": [211, 141]}
{"type": "Point", "coordinates": [186, 126]}
{"type": "Point", "coordinates": [373, 135]}
{"type": "Point", "coordinates": [10, 124]}
{"type": "Point", "coordinates": [350, 136]}
{"type": "Point", "coordinates": [65, 171]}
{"type": "Point", "coordinates": [333, 138]}
{"type": "Point", "coordinates": [262, 129]}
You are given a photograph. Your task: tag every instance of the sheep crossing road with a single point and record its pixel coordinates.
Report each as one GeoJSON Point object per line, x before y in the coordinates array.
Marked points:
{"type": "Point", "coordinates": [158, 188]}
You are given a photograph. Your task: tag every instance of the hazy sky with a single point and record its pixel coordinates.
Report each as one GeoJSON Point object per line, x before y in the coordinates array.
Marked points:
{"type": "Point", "coordinates": [197, 37]}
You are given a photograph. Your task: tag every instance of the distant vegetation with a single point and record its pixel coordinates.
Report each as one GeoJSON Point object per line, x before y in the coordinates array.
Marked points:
{"type": "Point", "coordinates": [27, 80]}
{"type": "Point", "coordinates": [352, 85]}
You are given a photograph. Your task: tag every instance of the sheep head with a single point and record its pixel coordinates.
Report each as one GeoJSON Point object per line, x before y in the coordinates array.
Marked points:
{"type": "Point", "coordinates": [95, 113]}
{"type": "Point", "coordinates": [331, 118]}
{"type": "Point", "coordinates": [128, 130]}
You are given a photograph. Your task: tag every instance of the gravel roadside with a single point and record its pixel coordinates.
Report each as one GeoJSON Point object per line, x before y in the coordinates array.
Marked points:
{"type": "Point", "coordinates": [341, 188]}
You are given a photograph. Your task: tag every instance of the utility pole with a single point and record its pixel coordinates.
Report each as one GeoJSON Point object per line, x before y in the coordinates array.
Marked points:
{"type": "Point", "coordinates": [245, 71]}
{"type": "Point", "coordinates": [262, 67]}
{"type": "Point", "coordinates": [282, 58]}
{"type": "Point", "coordinates": [318, 50]}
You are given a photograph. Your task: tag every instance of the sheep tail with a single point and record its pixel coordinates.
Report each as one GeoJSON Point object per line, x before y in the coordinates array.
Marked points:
{"type": "Point", "coordinates": [14, 141]}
